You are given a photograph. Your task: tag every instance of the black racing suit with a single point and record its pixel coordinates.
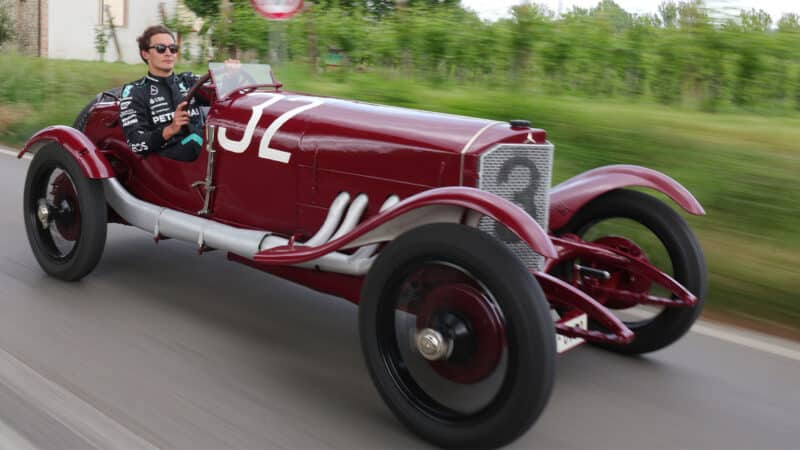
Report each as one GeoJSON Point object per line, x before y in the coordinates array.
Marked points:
{"type": "Point", "coordinates": [147, 106]}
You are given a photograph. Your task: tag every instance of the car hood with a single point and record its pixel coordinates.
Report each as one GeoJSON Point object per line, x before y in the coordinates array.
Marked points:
{"type": "Point", "coordinates": [392, 143]}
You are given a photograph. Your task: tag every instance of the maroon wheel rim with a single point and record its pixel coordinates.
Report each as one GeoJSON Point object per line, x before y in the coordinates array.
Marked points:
{"type": "Point", "coordinates": [484, 340]}
{"type": "Point", "coordinates": [66, 199]}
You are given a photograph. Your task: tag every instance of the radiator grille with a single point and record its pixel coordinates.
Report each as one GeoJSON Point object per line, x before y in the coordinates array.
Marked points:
{"type": "Point", "coordinates": [521, 174]}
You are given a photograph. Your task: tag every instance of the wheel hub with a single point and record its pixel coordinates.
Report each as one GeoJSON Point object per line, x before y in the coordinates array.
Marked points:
{"type": "Point", "coordinates": [432, 345]}
{"type": "Point", "coordinates": [43, 213]}
{"type": "Point", "coordinates": [460, 333]}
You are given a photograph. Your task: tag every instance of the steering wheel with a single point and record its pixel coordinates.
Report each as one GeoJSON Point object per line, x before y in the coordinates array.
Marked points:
{"type": "Point", "coordinates": [193, 91]}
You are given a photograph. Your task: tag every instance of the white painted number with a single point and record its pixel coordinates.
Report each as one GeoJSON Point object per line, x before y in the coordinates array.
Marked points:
{"type": "Point", "coordinates": [241, 146]}
{"type": "Point", "coordinates": [264, 149]}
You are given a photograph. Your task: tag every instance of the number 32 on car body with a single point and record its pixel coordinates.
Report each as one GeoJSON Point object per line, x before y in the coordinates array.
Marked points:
{"type": "Point", "coordinates": [264, 149]}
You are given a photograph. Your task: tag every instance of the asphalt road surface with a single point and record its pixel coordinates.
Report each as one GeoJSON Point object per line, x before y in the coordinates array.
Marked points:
{"type": "Point", "coordinates": [161, 348]}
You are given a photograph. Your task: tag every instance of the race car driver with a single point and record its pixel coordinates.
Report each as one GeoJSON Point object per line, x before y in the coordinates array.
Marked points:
{"type": "Point", "coordinates": [154, 120]}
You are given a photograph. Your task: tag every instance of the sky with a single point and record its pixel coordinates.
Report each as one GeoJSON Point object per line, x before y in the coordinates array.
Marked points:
{"type": "Point", "coordinates": [493, 9]}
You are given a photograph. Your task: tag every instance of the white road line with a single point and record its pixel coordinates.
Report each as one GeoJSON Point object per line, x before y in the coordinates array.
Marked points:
{"type": "Point", "coordinates": [80, 417]}
{"type": "Point", "coordinates": [14, 153]}
{"type": "Point", "coordinates": [10, 439]}
{"type": "Point", "coordinates": [734, 335]}
{"type": "Point", "coordinates": [740, 336]}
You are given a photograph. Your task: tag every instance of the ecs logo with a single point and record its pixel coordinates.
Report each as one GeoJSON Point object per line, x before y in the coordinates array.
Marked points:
{"type": "Point", "coordinates": [139, 147]}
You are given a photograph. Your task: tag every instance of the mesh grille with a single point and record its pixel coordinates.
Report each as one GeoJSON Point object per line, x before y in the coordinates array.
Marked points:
{"type": "Point", "coordinates": [521, 174]}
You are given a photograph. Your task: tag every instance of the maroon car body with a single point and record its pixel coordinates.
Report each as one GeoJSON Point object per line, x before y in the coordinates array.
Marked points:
{"type": "Point", "coordinates": [314, 189]}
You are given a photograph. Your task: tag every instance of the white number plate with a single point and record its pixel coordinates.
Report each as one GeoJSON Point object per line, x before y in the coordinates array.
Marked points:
{"type": "Point", "coordinates": [564, 343]}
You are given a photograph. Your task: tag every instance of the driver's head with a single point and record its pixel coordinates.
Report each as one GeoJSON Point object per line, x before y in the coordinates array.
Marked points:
{"type": "Point", "coordinates": [157, 48]}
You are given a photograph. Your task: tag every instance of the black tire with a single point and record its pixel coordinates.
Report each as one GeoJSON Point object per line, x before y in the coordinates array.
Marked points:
{"type": "Point", "coordinates": [72, 244]}
{"type": "Point", "coordinates": [681, 246]}
{"type": "Point", "coordinates": [511, 395]}
{"type": "Point", "coordinates": [83, 116]}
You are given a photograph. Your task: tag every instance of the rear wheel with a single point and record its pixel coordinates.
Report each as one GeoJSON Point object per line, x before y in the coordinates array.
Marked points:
{"type": "Point", "coordinates": [457, 336]}
{"type": "Point", "coordinates": [65, 215]}
{"type": "Point", "coordinates": [644, 227]}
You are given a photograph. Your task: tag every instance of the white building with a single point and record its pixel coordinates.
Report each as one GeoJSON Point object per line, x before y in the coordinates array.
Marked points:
{"type": "Point", "coordinates": [66, 29]}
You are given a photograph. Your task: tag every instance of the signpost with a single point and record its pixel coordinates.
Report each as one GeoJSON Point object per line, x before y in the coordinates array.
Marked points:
{"type": "Point", "coordinates": [277, 9]}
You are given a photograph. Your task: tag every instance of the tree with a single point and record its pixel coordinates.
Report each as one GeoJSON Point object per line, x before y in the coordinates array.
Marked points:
{"type": "Point", "coordinates": [6, 25]}
{"type": "Point", "coordinates": [789, 48]}
{"type": "Point", "coordinates": [692, 15]}
{"type": "Point", "coordinates": [527, 25]}
{"type": "Point", "coordinates": [789, 23]}
{"type": "Point", "coordinates": [619, 19]}
{"type": "Point", "coordinates": [203, 8]}
{"type": "Point", "coordinates": [381, 8]}
{"type": "Point", "coordinates": [668, 12]}
{"type": "Point", "coordinates": [755, 21]}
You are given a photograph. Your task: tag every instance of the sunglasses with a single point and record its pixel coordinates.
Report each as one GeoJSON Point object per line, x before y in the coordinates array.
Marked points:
{"type": "Point", "coordinates": [161, 48]}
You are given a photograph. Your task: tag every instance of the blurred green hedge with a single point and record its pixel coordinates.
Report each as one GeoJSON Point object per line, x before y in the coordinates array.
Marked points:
{"type": "Point", "coordinates": [742, 167]}
{"type": "Point", "coordinates": [685, 54]}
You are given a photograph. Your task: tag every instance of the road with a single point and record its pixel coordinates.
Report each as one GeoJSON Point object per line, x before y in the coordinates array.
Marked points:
{"type": "Point", "coordinates": [161, 348]}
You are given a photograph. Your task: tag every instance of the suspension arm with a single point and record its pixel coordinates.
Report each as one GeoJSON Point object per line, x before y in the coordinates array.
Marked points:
{"type": "Point", "coordinates": [570, 247]}
{"type": "Point", "coordinates": [561, 294]}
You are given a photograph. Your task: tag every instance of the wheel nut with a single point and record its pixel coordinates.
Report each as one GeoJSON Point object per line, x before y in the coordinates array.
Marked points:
{"type": "Point", "coordinates": [43, 214]}
{"type": "Point", "coordinates": [432, 345]}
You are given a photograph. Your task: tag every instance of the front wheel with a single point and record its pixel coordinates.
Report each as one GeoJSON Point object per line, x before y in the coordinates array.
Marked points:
{"type": "Point", "coordinates": [65, 215]}
{"type": "Point", "coordinates": [457, 336]}
{"type": "Point", "coordinates": [646, 228]}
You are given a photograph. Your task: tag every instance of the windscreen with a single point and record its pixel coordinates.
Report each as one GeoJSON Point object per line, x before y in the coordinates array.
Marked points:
{"type": "Point", "coordinates": [230, 77]}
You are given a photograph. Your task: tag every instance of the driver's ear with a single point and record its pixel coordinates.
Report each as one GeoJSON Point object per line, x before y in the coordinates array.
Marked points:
{"type": "Point", "coordinates": [144, 55]}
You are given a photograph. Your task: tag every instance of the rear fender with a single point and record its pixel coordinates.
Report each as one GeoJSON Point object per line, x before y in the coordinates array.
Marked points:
{"type": "Point", "coordinates": [571, 195]}
{"type": "Point", "coordinates": [91, 161]}
{"type": "Point", "coordinates": [448, 204]}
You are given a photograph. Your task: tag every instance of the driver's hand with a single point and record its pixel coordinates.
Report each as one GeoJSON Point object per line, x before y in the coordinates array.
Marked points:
{"type": "Point", "coordinates": [180, 119]}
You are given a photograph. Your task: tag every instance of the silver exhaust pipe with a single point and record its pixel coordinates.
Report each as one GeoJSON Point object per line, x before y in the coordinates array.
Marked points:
{"type": "Point", "coordinates": [369, 250]}
{"type": "Point", "coordinates": [353, 216]}
{"type": "Point", "coordinates": [331, 221]}
{"type": "Point", "coordinates": [160, 221]}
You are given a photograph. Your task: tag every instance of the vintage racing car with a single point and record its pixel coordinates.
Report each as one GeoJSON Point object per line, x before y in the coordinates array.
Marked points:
{"type": "Point", "coordinates": [471, 273]}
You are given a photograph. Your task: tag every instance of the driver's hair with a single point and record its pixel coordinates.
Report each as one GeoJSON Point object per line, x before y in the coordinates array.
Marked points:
{"type": "Point", "coordinates": [144, 39]}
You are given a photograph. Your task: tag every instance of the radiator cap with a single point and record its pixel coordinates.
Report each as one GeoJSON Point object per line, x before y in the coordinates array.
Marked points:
{"type": "Point", "coordinates": [520, 123]}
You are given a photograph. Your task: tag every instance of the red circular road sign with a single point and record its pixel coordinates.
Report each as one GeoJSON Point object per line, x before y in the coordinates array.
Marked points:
{"type": "Point", "coordinates": [277, 9]}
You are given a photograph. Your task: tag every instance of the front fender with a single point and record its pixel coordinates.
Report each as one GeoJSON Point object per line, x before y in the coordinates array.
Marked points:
{"type": "Point", "coordinates": [435, 205]}
{"type": "Point", "coordinates": [571, 195]}
{"type": "Point", "coordinates": [91, 161]}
